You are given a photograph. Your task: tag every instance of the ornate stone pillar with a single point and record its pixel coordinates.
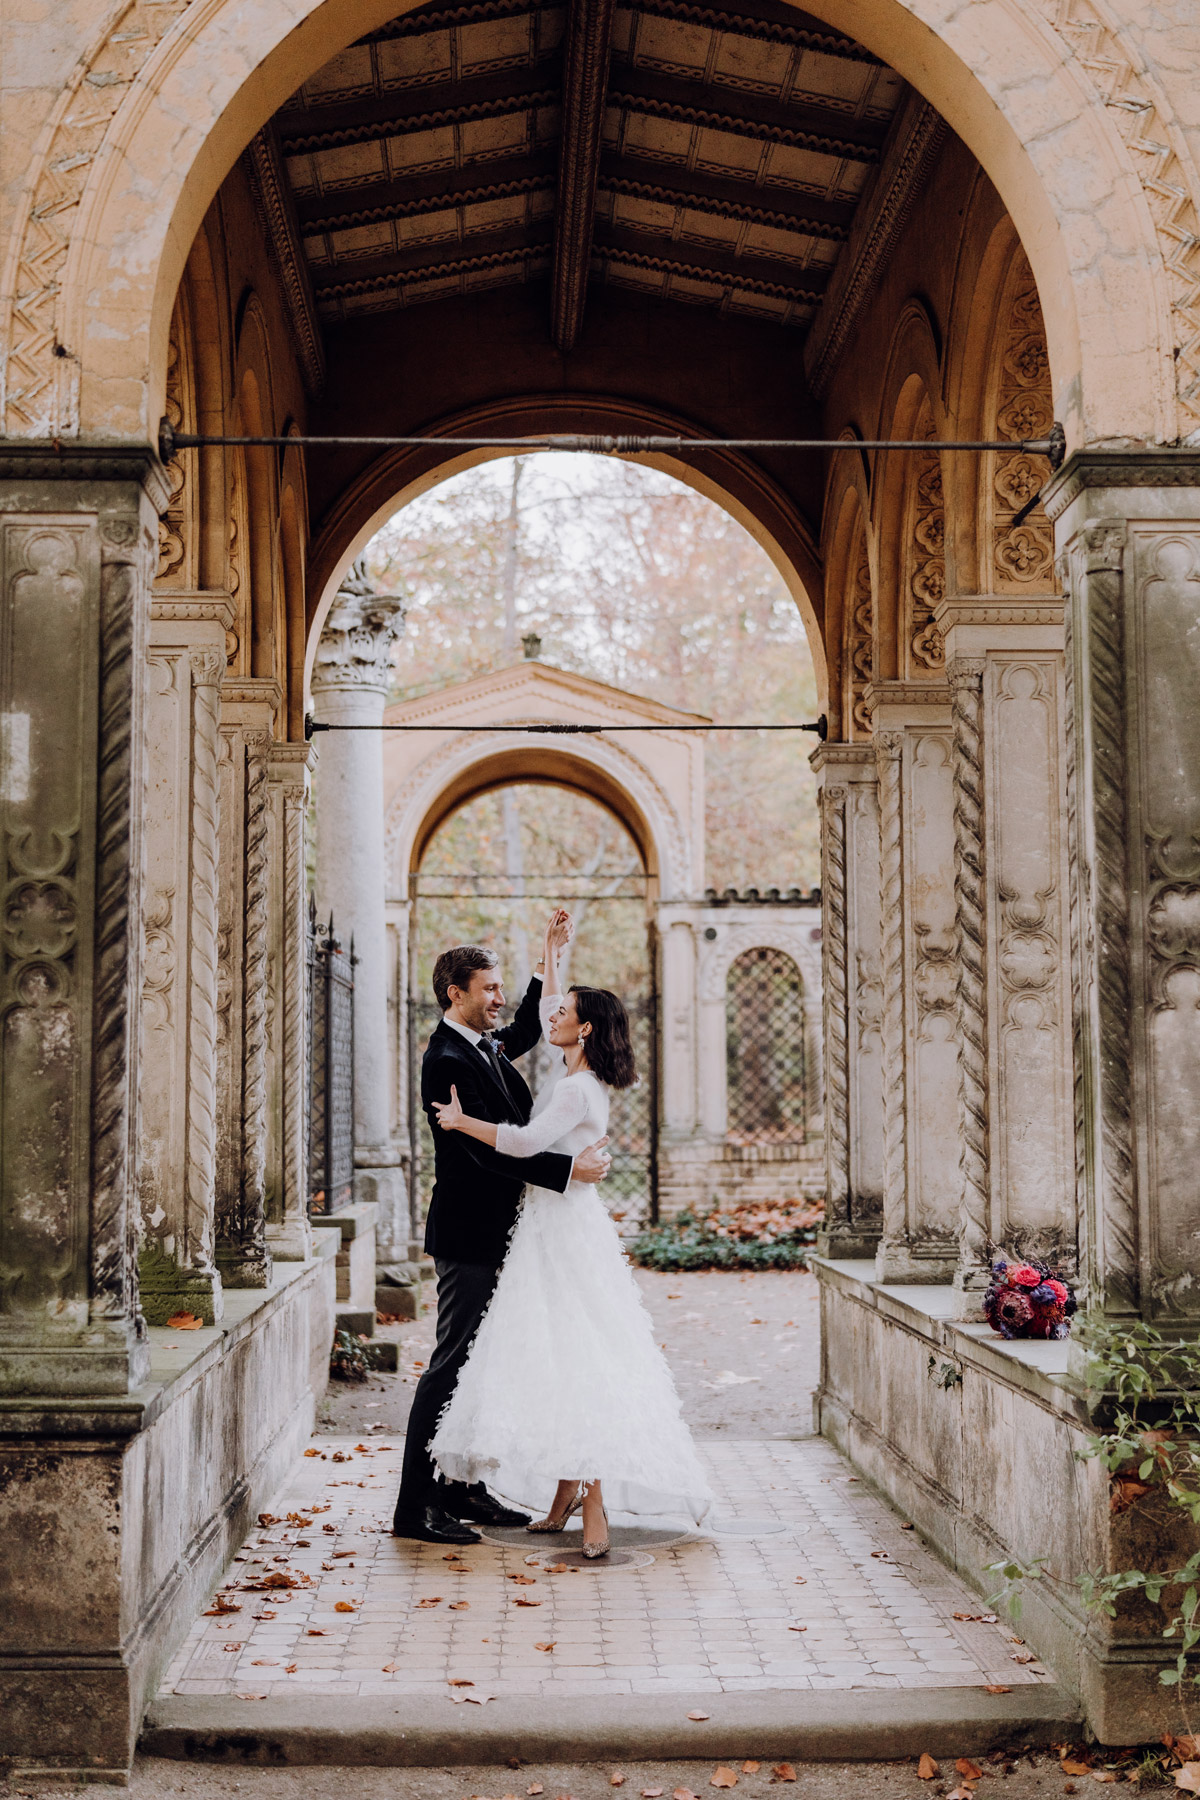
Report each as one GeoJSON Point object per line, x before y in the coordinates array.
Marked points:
{"type": "Point", "coordinates": [248, 710]}
{"type": "Point", "coordinates": [178, 1141]}
{"type": "Point", "coordinates": [77, 548]}
{"type": "Point", "coordinates": [349, 687]}
{"type": "Point", "coordinates": [679, 1020]}
{"type": "Point", "coordinates": [288, 1233]}
{"type": "Point", "coordinates": [852, 998]}
{"type": "Point", "coordinates": [919, 971]}
{"type": "Point", "coordinates": [1128, 524]}
{"type": "Point", "coordinates": [1007, 676]}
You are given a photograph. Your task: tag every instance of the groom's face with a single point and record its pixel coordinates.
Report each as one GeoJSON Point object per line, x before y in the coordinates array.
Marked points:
{"type": "Point", "coordinates": [482, 1002]}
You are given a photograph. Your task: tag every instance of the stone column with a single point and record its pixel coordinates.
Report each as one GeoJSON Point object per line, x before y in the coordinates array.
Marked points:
{"type": "Point", "coordinates": [679, 1021]}
{"type": "Point", "coordinates": [1128, 524]}
{"type": "Point", "coordinates": [288, 1233]}
{"type": "Point", "coordinates": [178, 1141]}
{"type": "Point", "coordinates": [919, 970]}
{"type": "Point", "coordinates": [1006, 669]}
{"type": "Point", "coordinates": [248, 711]}
{"type": "Point", "coordinates": [349, 687]}
{"type": "Point", "coordinates": [78, 536]}
{"type": "Point", "coordinates": [852, 998]}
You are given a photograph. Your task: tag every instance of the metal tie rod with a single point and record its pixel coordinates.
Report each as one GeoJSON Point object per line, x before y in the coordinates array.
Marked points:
{"type": "Point", "coordinates": [819, 726]}
{"type": "Point", "coordinates": [1054, 445]}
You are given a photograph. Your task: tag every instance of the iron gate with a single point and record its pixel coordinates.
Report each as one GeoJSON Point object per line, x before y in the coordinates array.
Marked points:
{"type": "Point", "coordinates": [330, 1068]}
{"type": "Point", "coordinates": [767, 1055]}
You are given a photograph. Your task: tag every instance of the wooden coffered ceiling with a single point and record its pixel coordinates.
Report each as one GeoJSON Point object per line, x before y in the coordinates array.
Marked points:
{"type": "Point", "coordinates": [740, 158]}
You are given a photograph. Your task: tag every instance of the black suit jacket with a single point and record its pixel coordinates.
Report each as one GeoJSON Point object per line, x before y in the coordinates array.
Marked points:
{"type": "Point", "coordinates": [476, 1191]}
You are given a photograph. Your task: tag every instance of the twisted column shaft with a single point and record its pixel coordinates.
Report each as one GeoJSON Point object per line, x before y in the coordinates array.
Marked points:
{"type": "Point", "coordinates": [970, 906]}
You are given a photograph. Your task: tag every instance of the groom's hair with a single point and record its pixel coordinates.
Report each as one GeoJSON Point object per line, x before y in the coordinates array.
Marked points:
{"type": "Point", "coordinates": [454, 968]}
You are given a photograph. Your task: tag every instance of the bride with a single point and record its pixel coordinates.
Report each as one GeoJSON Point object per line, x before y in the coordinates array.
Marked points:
{"type": "Point", "coordinates": [564, 1386]}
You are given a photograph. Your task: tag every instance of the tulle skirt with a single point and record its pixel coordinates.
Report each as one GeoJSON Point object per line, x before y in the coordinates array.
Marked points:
{"type": "Point", "coordinates": [565, 1381]}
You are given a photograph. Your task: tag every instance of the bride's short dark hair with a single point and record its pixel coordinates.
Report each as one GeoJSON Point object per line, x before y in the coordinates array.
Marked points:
{"type": "Point", "coordinates": [607, 1049]}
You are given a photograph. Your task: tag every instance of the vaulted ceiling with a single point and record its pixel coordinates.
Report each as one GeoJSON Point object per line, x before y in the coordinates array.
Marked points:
{"type": "Point", "coordinates": [715, 158]}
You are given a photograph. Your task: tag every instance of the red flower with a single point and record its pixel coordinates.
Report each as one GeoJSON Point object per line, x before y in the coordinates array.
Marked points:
{"type": "Point", "coordinates": [1024, 1276]}
{"type": "Point", "coordinates": [1057, 1289]}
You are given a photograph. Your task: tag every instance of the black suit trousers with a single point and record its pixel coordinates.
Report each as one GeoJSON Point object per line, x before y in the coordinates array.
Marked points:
{"type": "Point", "coordinates": [464, 1293]}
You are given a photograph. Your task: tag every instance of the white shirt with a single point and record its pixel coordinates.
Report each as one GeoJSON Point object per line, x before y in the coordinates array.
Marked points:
{"type": "Point", "coordinates": [472, 1037]}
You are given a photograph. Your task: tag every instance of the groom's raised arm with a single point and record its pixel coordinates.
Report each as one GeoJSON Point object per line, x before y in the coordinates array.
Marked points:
{"type": "Point", "coordinates": [526, 1027]}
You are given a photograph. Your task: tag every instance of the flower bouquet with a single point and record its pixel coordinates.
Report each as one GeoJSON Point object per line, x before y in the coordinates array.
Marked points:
{"type": "Point", "coordinates": [1028, 1300]}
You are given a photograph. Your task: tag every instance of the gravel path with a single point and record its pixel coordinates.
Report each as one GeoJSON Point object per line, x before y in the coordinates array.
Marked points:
{"type": "Point", "coordinates": [744, 1350]}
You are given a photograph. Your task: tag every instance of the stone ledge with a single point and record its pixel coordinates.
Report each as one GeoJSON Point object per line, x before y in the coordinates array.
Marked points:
{"type": "Point", "coordinates": [352, 1221]}
{"type": "Point", "coordinates": [176, 1360]}
{"type": "Point", "coordinates": [431, 1732]}
{"type": "Point", "coordinates": [1038, 1370]}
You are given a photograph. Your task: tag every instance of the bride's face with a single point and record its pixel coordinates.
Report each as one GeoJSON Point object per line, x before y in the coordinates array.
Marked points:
{"type": "Point", "coordinates": [564, 1026]}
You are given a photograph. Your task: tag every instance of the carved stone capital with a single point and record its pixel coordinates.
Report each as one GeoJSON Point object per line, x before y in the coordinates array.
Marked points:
{"type": "Point", "coordinates": [355, 647]}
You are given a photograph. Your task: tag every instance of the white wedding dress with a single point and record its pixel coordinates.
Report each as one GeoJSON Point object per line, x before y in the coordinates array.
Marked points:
{"type": "Point", "coordinates": [564, 1380]}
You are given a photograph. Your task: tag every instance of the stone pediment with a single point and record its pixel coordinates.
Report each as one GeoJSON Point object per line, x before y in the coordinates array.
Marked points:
{"type": "Point", "coordinates": [535, 691]}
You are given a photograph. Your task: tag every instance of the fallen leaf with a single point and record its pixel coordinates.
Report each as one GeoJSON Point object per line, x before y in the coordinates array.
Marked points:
{"type": "Point", "coordinates": [312, 1453]}
{"type": "Point", "coordinates": [684, 1794]}
{"type": "Point", "coordinates": [697, 1716]}
{"type": "Point", "coordinates": [537, 1788]}
{"type": "Point", "coordinates": [906, 1527]}
{"type": "Point", "coordinates": [228, 1647]}
{"type": "Point", "coordinates": [390, 1668]}
{"type": "Point", "coordinates": [524, 1580]}
{"type": "Point", "coordinates": [185, 1322]}
{"type": "Point", "coordinates": [802, 1581]}
{"type": "Point", "coordinates": [1188, 1778]}
{"type": "Point", "coordinates": [1111, 1775]}
{"type": "Point", "coordinates": [927, 1769]}
{"type": "Point", "coordinates": [797, 1627]}
{"type": "Point", "coordinates": [548, 1646]}
{"type": "Point", "coordinates": [521, 1602]}
{"type": "Point", "coordinates": [249, 1696]}
{"type": "Point", "coordinates": [647, 1793]}
{"type": "Point", "coordinates": [1072, 1766]}
{"type": "Point", "coordinates": [338, 1554]}
{"type": "Point", "coordinates": [459, 1681]}
{"type": "Point", "coordinates": [265, 1662]}
{"type": "Point", "coordinates": [460, 1606]}
{"type": "Point", "coordinates": [291, 1668]}
{"type": "Point", "coordinates": [557, 1569]}
{"type": "Point", "coordinates": [994, 1687]}
{"type": "Point", "coordinates": [723, 1778]}
{"type": "Point", "coordinates": [1022, 1656]}
{"type": "Point", "coordinates": [613, 1781]}
{"type": "Point", "coordinates": [750, 1768]}
{"type": "Point", "coordinates": [221, 1605]}
{"type": "Point", "coordinates": [976, 1618]}
{"type": "Point", "coordinates": [430, 1600]}
{"type": "Point", "coordinates": [314, 1632]}
{"type": "Point", "coordinates": [345, 1606]}
{"type": "Point", "coordinates": [968, 1770]}
{"type": "Point", "coordinates": [783, 1772]}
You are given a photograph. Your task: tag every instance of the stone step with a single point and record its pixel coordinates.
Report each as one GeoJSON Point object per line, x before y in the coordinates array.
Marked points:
{"type": "Point", "coordinates": [419, 1731]}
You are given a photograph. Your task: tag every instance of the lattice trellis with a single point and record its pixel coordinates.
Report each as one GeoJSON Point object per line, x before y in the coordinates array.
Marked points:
{"type": "Point", "coordinates": [765, 1048]}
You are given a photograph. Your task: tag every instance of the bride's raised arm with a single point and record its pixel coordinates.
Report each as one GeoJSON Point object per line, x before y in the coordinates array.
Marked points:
{"type": "Point", "coordinates": [560, 929]}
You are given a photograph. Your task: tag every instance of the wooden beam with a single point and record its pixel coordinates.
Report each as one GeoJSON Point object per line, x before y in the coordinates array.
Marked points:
{"type": "Point", "coordinates": [724, 196]}
{"type": "Point", "coordinates": [487, 96]}
{"type": "Point", "coordinates": [807, 126]}
{"type": "Point", "coordinates": [430, 191]}
{"type": "Point", "coordinates": [585, 83]}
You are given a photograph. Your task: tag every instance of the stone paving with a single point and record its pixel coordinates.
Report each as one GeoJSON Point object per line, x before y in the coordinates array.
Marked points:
{"type": "Point", "coordinates": [806, 1580]}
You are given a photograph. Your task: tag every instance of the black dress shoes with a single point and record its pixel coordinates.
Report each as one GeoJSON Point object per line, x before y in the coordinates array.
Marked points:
{"type": "Point", "coordinates": [433, 1525]}
{"type": "Point", "coordinates": [483, 1508]}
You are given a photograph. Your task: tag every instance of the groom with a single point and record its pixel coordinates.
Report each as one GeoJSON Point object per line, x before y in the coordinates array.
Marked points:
{"type": "Point", "coordinates": [476, 1198]}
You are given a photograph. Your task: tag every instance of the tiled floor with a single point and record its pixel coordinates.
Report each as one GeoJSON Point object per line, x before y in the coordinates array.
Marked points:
{"type": "Point", "coordinates": [377, 1615]}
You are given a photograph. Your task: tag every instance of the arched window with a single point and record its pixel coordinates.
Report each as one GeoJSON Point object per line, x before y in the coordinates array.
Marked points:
{"type": "Point", "coordinates": [765, 1049]}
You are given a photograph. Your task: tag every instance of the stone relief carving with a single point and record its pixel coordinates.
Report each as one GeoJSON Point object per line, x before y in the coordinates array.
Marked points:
{"type": "Point", "coordinates": [860, 640]}
{"type": "Point", "coordinates": [173, 523]}
{"type": "Point", "coordinates": [1022, 554]}
{"type": "Point", "coordinates": [158, 959]}
{"type": "Point", "coordinates": [926, 566]}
